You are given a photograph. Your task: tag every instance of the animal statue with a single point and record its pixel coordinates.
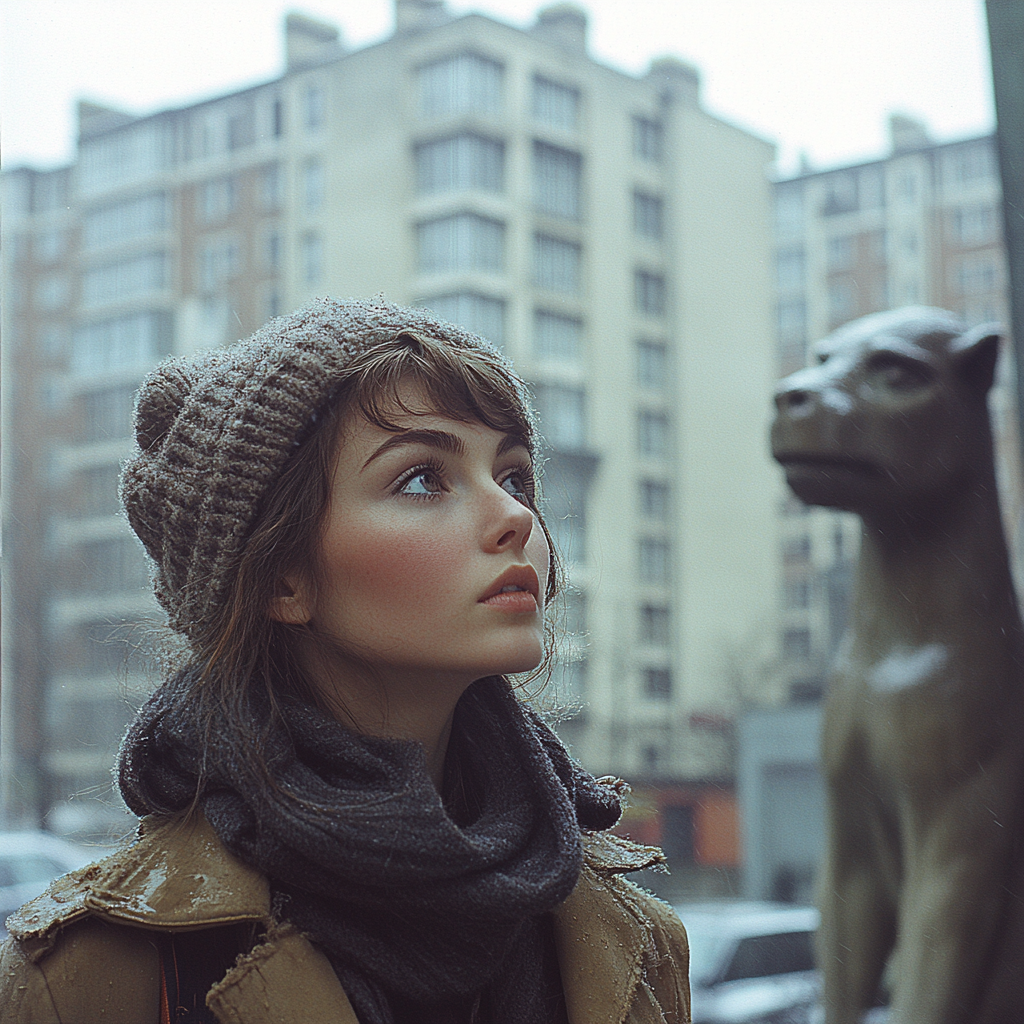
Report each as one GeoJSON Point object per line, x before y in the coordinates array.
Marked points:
{"type": "Point", "coordinates": [923, 731]}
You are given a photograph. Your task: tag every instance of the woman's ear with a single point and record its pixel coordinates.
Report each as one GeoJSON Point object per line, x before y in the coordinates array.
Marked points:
{"type": "Point", "coordinates": [291, 604]}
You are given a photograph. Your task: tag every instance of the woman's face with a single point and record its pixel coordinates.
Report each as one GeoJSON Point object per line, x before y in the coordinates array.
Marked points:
{"type": "Point", "coordinates": [432, 561]}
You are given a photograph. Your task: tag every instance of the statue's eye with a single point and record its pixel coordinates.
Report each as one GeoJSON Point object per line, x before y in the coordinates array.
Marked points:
{"type": "Point", "coordinates": [897, 373]}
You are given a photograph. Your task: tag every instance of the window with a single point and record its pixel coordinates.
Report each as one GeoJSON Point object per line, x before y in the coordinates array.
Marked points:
{"type": "Point", "coordinates": [969, 164]}
{"type": "Point", "coordinates": [792, 315]}
{"type": "Point", "coordinates": [842, 300]}
{"type": "Point", "coordinates": [762, 956]}
{"type": "Point", "coordinates": [480, 314]}
{"type": "Point", "coordinates": [98, 490]}
{"type": "Point", "coordinates": [678, 834]}
{"type": "Point", "coordinates": [554, 104]}
{"type": "Point", "coordinates": [658, 683]}
{"type": "Point", "coordinates": [653, 434]}
{"type": "Point", "coordinates": [107, 565]}
{"type": "Point", "coordinates": [462, 162]}
{"type": "Point", "coordinates": [565, 512]}
{"type": "Point", "coordinates": [556, 264]}
{"type": "Point", "coordinates": [975, 276]}
{"type": "Point", "coordinates": [312, 258]}
{"type": "Point", "coordinates": [271, 187]}
{"type": "Point", "coordinates": [653, 560]}
{"type": "Point", "coordinates": [797, 594]}
{"type": "Point", "coordinates": [313, 185]}
{"type": "Point", "coordinates": [556, 336]}
{"type": "Point", "coordinates": [272, 249]}
{"type": "Point", "coordinates": [240, 131]}
{"type": "Point", "coordinates": [575, 621]}
{"type": "Point", "coordinates": [796, 549]}
{"type": "Point", "coordinates": [789, 211]}
{"type": "Point", "coordinates": [556, 181]}
{"type": "Point", "coordinates": [313, 107]}
{"type": "Point", "coordinates": [51, 292]}
{"type": "Point", "coordinates": [127, 279]}
{"type": "Point", "coordinates": [652, 365]}
{"type": "Point", "coordinates": [796, 644]}
{"type": "Point", "coordinates": [464, 83]}
{"type": "Point", "coordinates": [463, 242]}
{"type": "Point", "coordinates": [128, 342]}
{"type": "Point", "coordinates": [125, 156]}
{"type": "Point", "coordinates": [277, 118]}
{"type": "Point", "coordinates": [96, 649]}
{"type": "Point", "coordinates": [840, 193]}
{"type": "Point", "coordinates": [649, 293]}
{"type": "Point", "coordinates": [906, 186]}
{"type": "Point", "coordinates": [125, 222]}
{"type": "Point", "coordinates": [49, 245]}
{"type": "Point", "coordinates": [217, 199]}
{"type": "Point", "coordinates": [974, 225]}
{"type": "Point", "coordinates": [648, 139]}
{"type": "Point", "coordinates": [654, 624]}
{"type": "Point", "coordinates": [219, 262]}
{"type": "Point", "coordinates": [654, 499]}
{"type": "Point", "coordinates": [562, 414]}
{"type": "Point", "coordinates": [839, 254]}
{"type": "Point", "coordinates": [107, 414]}
{"type": "Point", "coordinates": [272, 305]}
{"type": "Point", "coordinates": [570, 683]}
{"type": "Point", "coordinates": [871, 188]}
{"type": "Point", "coordinates": [648, 215]}
{"type": "Point", "coordinates": [789, 268]}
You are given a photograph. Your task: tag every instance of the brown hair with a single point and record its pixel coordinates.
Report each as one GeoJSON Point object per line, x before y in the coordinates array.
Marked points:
{"type": "Point", "coordinates": [247, 647]}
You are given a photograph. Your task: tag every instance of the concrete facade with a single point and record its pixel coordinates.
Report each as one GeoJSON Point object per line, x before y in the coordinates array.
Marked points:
{"type": "Point", "coordinates": [608, 232]}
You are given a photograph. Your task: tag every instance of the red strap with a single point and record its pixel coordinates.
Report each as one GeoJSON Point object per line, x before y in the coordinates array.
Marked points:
{"type": "Point", "coordinates": [168, 994]}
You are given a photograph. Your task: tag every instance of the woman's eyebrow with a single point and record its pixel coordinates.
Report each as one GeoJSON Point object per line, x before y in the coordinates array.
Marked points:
{"type": "Point", "coordinates": [510, 441]}
{"type": "Point", "coordinates": [442, 440]}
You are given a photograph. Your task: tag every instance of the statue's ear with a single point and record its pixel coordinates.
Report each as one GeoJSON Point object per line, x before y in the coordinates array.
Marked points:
{"type": "Point", "coordinates": [975, 354]}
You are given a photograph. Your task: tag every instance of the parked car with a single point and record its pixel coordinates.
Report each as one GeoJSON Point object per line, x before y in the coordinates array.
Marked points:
{"type": "Point", "coordinates": [752, 963]}
{"type": "Point", "coordinates": [29, 861]}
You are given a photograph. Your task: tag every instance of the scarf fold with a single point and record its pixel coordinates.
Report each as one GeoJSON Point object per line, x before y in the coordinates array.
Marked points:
{"type": "Point", "coordinates": [416, 901]}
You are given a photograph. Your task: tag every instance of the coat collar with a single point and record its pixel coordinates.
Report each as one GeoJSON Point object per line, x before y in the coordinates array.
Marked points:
{"type": "Point", "coordinates": [177, 875]}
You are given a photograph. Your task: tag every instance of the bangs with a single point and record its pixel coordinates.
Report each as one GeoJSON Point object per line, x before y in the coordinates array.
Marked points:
{"type": "Point", "coordinates": [465, 384]}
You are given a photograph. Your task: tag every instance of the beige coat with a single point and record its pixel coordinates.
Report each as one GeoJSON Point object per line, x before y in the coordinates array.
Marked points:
{"type": "Point", "coordinates": [78, 952]}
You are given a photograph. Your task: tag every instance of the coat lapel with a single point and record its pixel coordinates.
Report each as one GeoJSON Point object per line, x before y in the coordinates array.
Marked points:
{"type": "Point", "coordinates": [283, 981]}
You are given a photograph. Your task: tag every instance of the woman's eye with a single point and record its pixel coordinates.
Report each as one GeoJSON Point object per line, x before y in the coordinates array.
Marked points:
{"type": "Point", "coordinates": [422, 483]}
{"type": "Point", "coordinates": [516, 485]}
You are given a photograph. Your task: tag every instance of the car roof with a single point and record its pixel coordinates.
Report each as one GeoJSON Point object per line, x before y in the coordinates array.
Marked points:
{"type": "Point", "coordinates": [46, 844]}
{"type": "Point", "coordinates": [747, 917]}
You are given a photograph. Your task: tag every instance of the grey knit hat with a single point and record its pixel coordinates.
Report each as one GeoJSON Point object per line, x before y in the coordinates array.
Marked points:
{"type": "Point", "coordinates": [215, 430]}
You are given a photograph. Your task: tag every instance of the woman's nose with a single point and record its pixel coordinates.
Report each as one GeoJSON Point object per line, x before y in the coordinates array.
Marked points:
{"type": "Point", "coordinates": [513, 524]}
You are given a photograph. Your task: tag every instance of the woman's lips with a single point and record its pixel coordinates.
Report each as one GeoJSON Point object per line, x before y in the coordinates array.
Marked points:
{"type": "Point", "coordinates": [513, 601]}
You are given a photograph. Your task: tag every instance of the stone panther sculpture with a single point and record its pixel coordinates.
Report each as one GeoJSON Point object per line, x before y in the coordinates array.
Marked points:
{"type": "Point", "coordinates": [923, 733]}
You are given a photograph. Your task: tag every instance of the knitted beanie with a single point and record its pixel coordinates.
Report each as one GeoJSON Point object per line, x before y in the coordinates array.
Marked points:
{"type": "Point", "coordinates": [214, 431]}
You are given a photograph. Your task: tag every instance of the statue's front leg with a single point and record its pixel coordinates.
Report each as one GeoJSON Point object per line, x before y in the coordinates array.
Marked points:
{"type": "Point", "coordinates": [857, 916]}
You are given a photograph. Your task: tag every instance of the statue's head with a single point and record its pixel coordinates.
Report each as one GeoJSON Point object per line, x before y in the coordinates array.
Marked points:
{"type": "Point", "coordinates": [892, 415]}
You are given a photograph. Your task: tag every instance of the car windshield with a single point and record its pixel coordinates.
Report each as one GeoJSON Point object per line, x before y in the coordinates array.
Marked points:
{"type": "Point", "coordinates": [716, 956]}
{"type": "Point", "coordinates": [760, 956]}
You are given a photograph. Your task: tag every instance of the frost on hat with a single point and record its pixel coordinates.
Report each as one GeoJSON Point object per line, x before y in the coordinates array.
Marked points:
{"type": "Point", "coordinates": [214, 431]}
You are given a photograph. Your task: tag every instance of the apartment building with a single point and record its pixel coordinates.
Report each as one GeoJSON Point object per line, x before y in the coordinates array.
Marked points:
{"type": "Point", "coordinates": [604, 229]}
{"type": "Point", "coordinates": [920, 226]}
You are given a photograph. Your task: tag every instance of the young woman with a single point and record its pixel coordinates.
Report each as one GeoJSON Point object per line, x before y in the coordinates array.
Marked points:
{"type": "Point", "coordinates": [347, 813]}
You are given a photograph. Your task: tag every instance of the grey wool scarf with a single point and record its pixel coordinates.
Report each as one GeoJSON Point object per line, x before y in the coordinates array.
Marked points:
{"type": "Point", "coordinates": [429, 907]}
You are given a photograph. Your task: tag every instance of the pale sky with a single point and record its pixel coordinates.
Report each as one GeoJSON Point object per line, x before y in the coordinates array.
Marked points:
{"type": "Point", "coordinates": [813, 76]}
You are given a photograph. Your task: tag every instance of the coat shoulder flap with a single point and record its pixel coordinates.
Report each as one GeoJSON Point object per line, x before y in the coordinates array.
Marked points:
{"type": "Point", "coordinates": [176, 874]}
